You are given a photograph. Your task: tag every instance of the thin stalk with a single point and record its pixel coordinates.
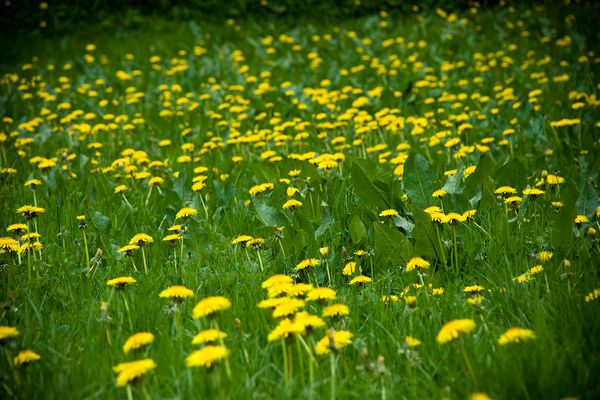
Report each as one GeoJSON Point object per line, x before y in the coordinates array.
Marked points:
{"type": "Point", "coordinates": [227, 367]}
{"type": "Point", "coordinates": [87, 254]}
{"type": "Point", "coordinates": [467, 362]}
{"type": "Point", "coordinates": [332, 370]}
{"type": "Point", "coordinates": [285, 363]}
{"type": "Point", "coordinates": [144, 259]}
{"type": "Point", "coordinates": [129, 394]}
{"type": "Point", "coordinates": [128, 312]}
{"type": "Point", "coordinates": [28, 254]}
{"type": "Point", "coordinates": [262, 268]}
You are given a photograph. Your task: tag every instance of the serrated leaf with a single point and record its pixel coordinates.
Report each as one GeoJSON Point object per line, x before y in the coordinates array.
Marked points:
{"type": "Point", "coordinates": [425, 237]}
{"type": "Point", "coordinates": [267, 214]}
{"type": "Point", "coordinates": [588, 200]}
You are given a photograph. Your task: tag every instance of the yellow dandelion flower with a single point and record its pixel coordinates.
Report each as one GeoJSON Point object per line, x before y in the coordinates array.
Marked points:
{"type": "Point", "coordinates": [454, 329]}
{"type": "Point", "coordinates": [8, 244]}
{"type": "Point", "coordinates": [186, 212]}
{"type": "Point", "coordinates": [25, 357]}
{"type": "Point", "coordinates": [121, 282]}
{"type": "Point", "coordinates": [480, 396]}
{"type": "Point", "coordinates": [545, 256]}
{"type": "Point", "coordinates": [333, 341]}
{"type": "Point", "coordinates": [473, 289]}
{"type": "Point", "coordinates": [8, 332]}
{"type": "Point", "coordinates": [138, 341]}
{"type": "Point", "coordinates": [209, 306]}
{"type": "Point", "coordinates": [417, 262]}
{"type": "Point", "coordinates": [141, 239]}
{"type": "Point", "coordinates": [121, 188]}
{"type": "Point", "coordinates": [321, 294]}
{"type": "Point", "coordinates": [206, 356]}
{"type": "Point", "coordinates": [516, 335]}
{"type": "Point", "coordinates": [336, 310]}
{"type": "Point", "coordinates": [299, 289]}
{"type": "Point", "coordinates": [130, 371]}
{"type": "Point", "coordinates": [128, 249]}
{"type": "Point", "coordinates": [505, 190]}
{"type": "Point", "coordinates": [262, 188]}
{"type": "Point", "coordinates": [452, 218]}
{"type": "Point", "coordinates": [310, 262]}
{"type": "Point", "coordinates": [308, 321]}
{"type": "Point", "coordinates": [291, 204]}
{"type": "Point", "coordinates": [388, 213]}
{"type": "Point", "coordinates": [276, 280]}
{"type": "Point", "coordinates": [241, 240]}
{"type": "Point", "coordinates": [288, 307]}
{"type": "Point", "coordinates": [593, 295]}
{"type": "Point", "coordinates": [173, 238]}
{"type": "Point", "coordinates": [17, 229]}
{"type": "Point", "coordinates": [176, 293]}
{"type": "Point", "coordinates": [30, 212]}
{"type": "Point", "coordinates": [438, 194]}
{"type": "Point", "coordinates": [208, 336]}
{"type": "Point", "coordinates": [360, 279]}
{"type": "Point", "coordinates": [411, 341]}
{"type": "Point", "coordinates": [581, 219]}
{"type": "Point", "coordinates": [285, 329]}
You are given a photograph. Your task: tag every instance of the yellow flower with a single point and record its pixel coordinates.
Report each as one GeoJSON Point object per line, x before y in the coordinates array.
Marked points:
{"type": "Point", "coordinates": [209, 306]}
{"type": "Point", "coordinates": [349, 268]}
{"type": "Point", "coordinates": [388, 213]}
{"type": "Point", "coordinates": [455, 328]}
{"type": "Point", "coordinates": [473, 289]}
{"type": "Point", "coordinates": [513, 201]}
{"type": "Point", "coordinates": [291, 204]}
{"type": "Point", "coordinates": [263, 187]}
{"type": "Point", "coordinates": [308, 321]}
{"type": "Point", "coordinates": [284, 329]}
{"type": "Point", "coordinates": [438, 194]}
{"type": "Point", "coordinates": [336, 310]}
{"type": "Point", "coordinates": [324, 251]}
{"type": "Point", "coordinates": [515, 335]}
{"type": "Point", "coordinates": [333, 341]}
{"type": "Point", "coordinates": [411, 341]}
{"type": "Point", "coordinates": [276, 280]}
{"type": "Point", "coordinates": [545, 256]}
{"type": "Point", "coordinates": [581, 219]}
{"type": "Point", "coordinates": [121, 188]}
{"type": "Point", "coordinates": [137, 341]}
{"type": "Point", "coordinates": [30, 212]}
{"type": "Point", "coordinates": [480, 396]}
{"type": "Point", "coordinates": [176, 293]}
{"type": "Point", "coordinates": [8, 332]}
{"type": "Point", "coordinates": [533, 193]}
{"type": "Point", "coordinates": [141, 239]}
{"type": "Point", "coordinates": [121, 282]}
{"type": "Point", "coordinates": [321, 294]}
{"type": "Point", "coordinates": [417, 262]}
{"type": "Point", "coordinates": [130, 371]}
{"type": "Point", "coordinates": [128, 249]}
{"type": "Point", "coordinates": [25, 357]}
{"type": "Point", "coordinates": [206, 356]}
{"type": "Point", "coordinates": [452, 217]}
{"type": "Point", "coordinates": [172, 238]}
{"type": "Point", "coordinates": [8, 244]}
{"type": "Point", "coordinates": [16, 228]}
{"type": "Point", "coordinates": [593, 295]}
{"type": "Point", "coordinates": [310, 262]}
{"type": "Point", "coordinates": [241, 240]}
{"type": "Point", "coordinates": [186, 212]}
{"type": "Point", "coordinates": [287, 307]}
{"type": "Point", "coordinates": [505, 190]}
{"type": "Point", "coordinates": [208, 336]}
{"type": "Point", "coordinates": [33, 182]}
{"type": "Point", "coordinates": [360, 279]}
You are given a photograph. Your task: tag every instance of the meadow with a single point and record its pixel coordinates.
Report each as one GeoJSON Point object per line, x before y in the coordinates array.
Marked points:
{"type": "Point", "coordinates": [394, 206]}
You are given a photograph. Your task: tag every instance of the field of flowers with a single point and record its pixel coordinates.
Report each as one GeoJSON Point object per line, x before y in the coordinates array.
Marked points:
{"type": "Point", "coordinates": [393, 206]}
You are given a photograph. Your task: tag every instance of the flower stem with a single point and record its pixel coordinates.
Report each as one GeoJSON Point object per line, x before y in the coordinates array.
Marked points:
{"type": "Point", "coordinates": [467, 362]}
{"type": "Point", "coordinates": [87, 254]}
{"type": "Point", "coordinates": [332, 368]}
{"type": "Point", "coordinates": [144, 259]}
{"type": "Point", "coordinates": [227, 367]}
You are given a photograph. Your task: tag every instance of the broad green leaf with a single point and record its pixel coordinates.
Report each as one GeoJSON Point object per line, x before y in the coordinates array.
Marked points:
{"type": "Point", "coordinates": [267, 214]}
{"type": "Point", "coordinates": [513, 173]}
{"type": "Point", "coordinates": [417, 182]}
{"type": "Point", "coordinates": [366, 191]}
{"type": "Point", "coordinates": [357, 229]}
{"type": "Point", "coordinates": [426, 240]}
{"type": "Point", "coordinates": [588, 200]}
{"type": "Point", "coordinates": [391, 246]}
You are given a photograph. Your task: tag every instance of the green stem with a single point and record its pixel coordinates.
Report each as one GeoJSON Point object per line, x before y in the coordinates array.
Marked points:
{"type": "Point", "coordinates": [262, 268]}
{"type": "Point", "coordinates": [455, 249]}
{"type": "Point", "coordinates": [144, 259]}
{"type": "Point", "coordinates": [87, 254]}
{"type": "Point", "coordinates": [332, 369]}
{"type": "Point", "coordinates": [467, 362]}
{"type": "Point", "coordinates": [128, 312]}
{"type": "Point", "coordinates": [285, 363]}
{"type": "Point", "coordinates": [227, 367]}
{"type": "Point", "coordinates": [129, 394]}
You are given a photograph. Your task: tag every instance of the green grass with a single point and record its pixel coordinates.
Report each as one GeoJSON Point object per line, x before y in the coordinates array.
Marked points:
{"type": "Point", "coordinates": [480, 53]}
